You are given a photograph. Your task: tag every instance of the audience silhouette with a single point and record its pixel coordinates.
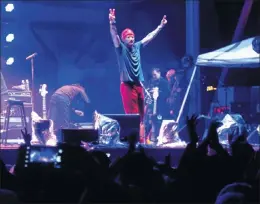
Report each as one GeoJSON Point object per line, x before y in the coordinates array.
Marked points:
{"type": "Point", "coordinates": [207, 173]}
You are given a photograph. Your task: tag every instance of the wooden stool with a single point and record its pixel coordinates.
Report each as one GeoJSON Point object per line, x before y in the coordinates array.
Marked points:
{"type": "Point", "coordinates": [20, 106]}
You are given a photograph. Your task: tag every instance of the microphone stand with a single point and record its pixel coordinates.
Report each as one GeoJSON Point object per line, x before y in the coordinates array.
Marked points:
{"type": "Point", "coordinates": [32, 83]}
{"type": "Point", "coordinates": [31, 57]}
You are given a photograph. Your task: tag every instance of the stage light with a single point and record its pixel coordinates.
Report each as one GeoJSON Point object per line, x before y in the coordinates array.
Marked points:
{"type": "Point", "coordinates": [211, 88]}
{"type": "Point", "coordinates": [10, 61]}
{"type": "Point", "coordinates": [9, 37]}
{"type": "Point", "coordinates": [9, 7]}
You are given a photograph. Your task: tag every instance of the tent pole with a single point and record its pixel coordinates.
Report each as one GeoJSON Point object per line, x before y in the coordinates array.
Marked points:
{"type": "Point", "coordinates": [193, 49]}
{"type": "Point", "coordinates": [236, 37]}
{"type": "Point", "coordinates": [246, 10]}
{"type": "Point", "coordinates": [186, 94]}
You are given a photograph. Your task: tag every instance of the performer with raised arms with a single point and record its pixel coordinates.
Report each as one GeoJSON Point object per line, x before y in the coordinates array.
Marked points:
{"type": "Point", "coordinates": [129, 61]}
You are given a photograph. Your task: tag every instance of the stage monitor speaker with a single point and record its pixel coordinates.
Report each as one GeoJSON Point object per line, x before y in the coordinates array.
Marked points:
{"type": "Point", "coordinates": [75, 136]}
{"type": "Point", "coordinates": [129, 123]}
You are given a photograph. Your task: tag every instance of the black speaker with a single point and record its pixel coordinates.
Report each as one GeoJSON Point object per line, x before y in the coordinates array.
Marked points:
{"type": "Point", "coordinates": [129, 123]}
{"type": "Point", "coordinates": [75, 136]}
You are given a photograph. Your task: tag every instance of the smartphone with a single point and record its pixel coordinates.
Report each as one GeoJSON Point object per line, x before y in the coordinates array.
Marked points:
{"type": "Point", "coordinates": [43, 155]}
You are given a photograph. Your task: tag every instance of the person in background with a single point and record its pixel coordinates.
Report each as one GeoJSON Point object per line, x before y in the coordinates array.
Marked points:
{"type": "Point", "coordinates": [61, 105]}
{"type": "Point", "coordinates": [161, 110]}
{"type": "Point", "coordinates": [174, 97]}
{"type": "Point", "coordinates": [160, 82]}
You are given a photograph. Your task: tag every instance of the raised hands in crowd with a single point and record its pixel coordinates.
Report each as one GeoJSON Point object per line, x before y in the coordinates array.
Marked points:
{"type": "Point", "coordinates": [137, 177]}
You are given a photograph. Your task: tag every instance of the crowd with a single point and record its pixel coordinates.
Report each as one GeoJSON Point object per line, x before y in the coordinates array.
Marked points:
{"type": "Point", "coordinates": [207, 173]}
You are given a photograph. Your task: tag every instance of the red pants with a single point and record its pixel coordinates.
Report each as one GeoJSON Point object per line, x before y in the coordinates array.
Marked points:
{"type": "Point", "coordinates": [132, 98]}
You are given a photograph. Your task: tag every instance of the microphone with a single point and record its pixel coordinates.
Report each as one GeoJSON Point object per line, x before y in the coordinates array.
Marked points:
{"type": "Point", "coordinates": [31, 56]}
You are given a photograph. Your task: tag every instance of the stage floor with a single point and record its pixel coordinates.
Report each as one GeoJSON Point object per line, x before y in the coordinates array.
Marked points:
{"type": "Point", "coordinates": [9, 152]}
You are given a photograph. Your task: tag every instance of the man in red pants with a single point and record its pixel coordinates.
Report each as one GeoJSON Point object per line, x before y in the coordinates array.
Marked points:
{"type": "Point", "coordinates": [129, 60]}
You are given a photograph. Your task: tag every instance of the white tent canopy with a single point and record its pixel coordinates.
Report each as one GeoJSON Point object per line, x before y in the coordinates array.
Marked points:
{"type": "Point", "coordinates": [236, 55]}
{"type": "Point", "coordinates": [240, 54]}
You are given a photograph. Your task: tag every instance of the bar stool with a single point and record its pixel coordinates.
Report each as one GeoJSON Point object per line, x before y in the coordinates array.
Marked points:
{"type": "Point", "coordinates": [20, 106]}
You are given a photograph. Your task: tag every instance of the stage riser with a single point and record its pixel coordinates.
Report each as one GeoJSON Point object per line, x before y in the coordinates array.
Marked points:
{"type": "Point", "coordinates": [9, 156]}
{"type": "Point", "coordinates": [158, 154]}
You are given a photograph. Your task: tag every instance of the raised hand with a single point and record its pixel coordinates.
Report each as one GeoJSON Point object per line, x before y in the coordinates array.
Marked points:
{"type": "Point", "coordinates": [112, 15]}
{"type": "Point", "coordinates": [26, 136]}
{"type": "Point", "coordinates": [191, 124]}
{"type": "Point", "coordinates": [215, 124]}
{"type": "Point", "coordinates": [164, 21]}
{"type": "Point", "coordinates": [213, 135]}
{"type": "Point", "coordinates": [192, 121]}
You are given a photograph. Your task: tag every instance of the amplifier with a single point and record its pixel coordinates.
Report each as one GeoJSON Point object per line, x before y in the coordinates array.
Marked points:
{"type": "Point", "coordinates": [14, 122]}
{"type": "Point", "coordinates": [25, 96]}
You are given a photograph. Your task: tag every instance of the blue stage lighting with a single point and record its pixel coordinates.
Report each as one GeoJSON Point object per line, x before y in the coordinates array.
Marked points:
{"type": "Point", "coordinates": [9, 37]}
{"type": "Point", "coordinates": [10, 61]}
{"type": "Point", "coordinates": [9, 7]}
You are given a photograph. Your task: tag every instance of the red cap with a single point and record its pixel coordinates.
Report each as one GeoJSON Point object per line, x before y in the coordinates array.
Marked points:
{"type": "Point", "coordinates": [126, 33]}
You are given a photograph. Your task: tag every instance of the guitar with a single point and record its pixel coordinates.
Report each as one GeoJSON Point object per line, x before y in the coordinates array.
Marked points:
{"type": "Point", "coordinates": [43, 127]}
{"type": "Point", "coordinates": [43, 91]}
{"type": "Point", "coordinates": [154, 113]}
{"type": "Point", "coordinates": [47, 124]}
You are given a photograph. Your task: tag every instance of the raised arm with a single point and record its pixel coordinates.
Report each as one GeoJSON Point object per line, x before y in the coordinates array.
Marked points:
{"type": "Point", "coordinates": [154, 33]}
{"type": "Point", "coordinates": [113, 30]}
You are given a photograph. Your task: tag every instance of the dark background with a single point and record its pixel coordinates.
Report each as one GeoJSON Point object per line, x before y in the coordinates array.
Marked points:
{"type": "Point", "coordinates": [73, 42]}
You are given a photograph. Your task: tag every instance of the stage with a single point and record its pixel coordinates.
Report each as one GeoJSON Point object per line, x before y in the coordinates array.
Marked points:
{"type": "Point", "coordinates": [9, 152]}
